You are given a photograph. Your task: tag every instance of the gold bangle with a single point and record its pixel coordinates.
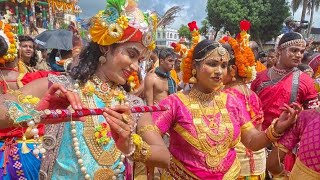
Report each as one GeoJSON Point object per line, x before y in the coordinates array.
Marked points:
{"type": "Point", "coordinates": [273, 128]}
{"type": "Point", "coordinates": [147, 128]}
{"type": "Point", "coordinates": [270, 136]}
{"type": "Point", "coordinates": [143, 150]}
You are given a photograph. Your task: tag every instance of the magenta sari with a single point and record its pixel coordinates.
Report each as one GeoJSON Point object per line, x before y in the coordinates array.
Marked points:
{"type": "Point", "coordinates": [274, 95]}
{"type": "Point", "coordinates": [306, 131]}
{"type": "Point", "coordinates": [252, 162]}
{"type": "Point", "coordinates": [188, 159]}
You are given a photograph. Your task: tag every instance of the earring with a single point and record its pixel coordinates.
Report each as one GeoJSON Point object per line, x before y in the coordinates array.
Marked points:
{"type": "Point", "coordinates": [233, 77]}
{"type": "Point", "coordinates": [102, 59]}
{"type": "Point", "coordinates": [193, 79]}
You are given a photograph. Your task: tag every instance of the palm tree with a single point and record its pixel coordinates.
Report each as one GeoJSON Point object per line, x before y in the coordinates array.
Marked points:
{"type": "Point", "coordinates": [308, 7]}
{"type": "Point", "coordinates": [295, 4]}
{"type": "Point", "coordinates": [313, 5]}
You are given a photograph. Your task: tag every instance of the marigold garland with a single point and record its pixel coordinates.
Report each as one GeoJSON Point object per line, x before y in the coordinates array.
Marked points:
{"type": "Point", "coordinates": [12, 53]}
{"type": "Point", "coordinates": [187, 62]}
{"type": "Point", "coordinates": [133, 80]}
{"type": "Point", "coordinates": [244, 57]}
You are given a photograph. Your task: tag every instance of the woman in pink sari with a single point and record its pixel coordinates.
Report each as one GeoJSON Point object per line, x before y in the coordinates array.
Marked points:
{"type": "Point", "coordinates": [205, 123]}
{"type": "Point", "coordinates": [253, 163]}
{"type": "Point", "coordinates": [306, 132]}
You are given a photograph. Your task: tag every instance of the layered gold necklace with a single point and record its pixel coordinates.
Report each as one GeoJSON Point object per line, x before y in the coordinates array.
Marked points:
{"type": "Point", "coordinates": [108, 93]}
{"type": "Point", "coordinates": [219, 132]}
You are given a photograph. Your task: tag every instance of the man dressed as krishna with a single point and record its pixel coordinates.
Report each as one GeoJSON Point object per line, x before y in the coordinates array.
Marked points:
{"type": "Point", "coordinates": [94, 147]}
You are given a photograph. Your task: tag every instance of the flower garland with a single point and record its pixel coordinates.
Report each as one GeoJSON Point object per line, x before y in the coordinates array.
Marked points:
{"type": "Point", "coordinates": [133, 80]}
{"type": "Point", "coordinates": [12, 40]}
{"type": "Point", "coordinates": [245, 60]}
{"type": "Point", "coordinates": [187, 61]}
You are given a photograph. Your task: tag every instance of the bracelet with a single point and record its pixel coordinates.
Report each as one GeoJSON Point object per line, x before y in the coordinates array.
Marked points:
{"type": "Point", "coordinates": [273, 128]}
{"type": "Point", "coordinates": [142, 151]}
{"type": "Point", "coordinates": [270, 136]}
{"type": "Point", "coordinates": [133, 148]}
{"type": "Point", "coordinates": [147, 128]}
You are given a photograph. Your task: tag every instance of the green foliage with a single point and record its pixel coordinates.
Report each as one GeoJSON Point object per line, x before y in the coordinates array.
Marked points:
{"type": "Point", "coordinates": [204, 27]}
{"type": "Point", "coordinates": [266, 16]}
{"type": "Point", "coordinates": [184, 32]}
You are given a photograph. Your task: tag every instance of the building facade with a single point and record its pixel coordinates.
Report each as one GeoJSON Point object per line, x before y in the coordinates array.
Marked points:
{"type": "Point", "coordinates": [166, 36]}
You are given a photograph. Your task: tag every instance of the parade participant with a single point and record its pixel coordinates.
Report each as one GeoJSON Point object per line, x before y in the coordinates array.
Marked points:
{"type": "Point", "coordinates": [11, 78]}
{"type": "Point", "coordinates": [207, 122]}
{"type": "Point", "coordinates": [159, 84]}
{"type": "Point", "coordinates": [27, 55]}
{"type": "Point", "coordinates": [284, 83]}
{"type": "Point", "coordinates": [253, 163]}
{"type": "Point", "coordinates": [121, 37]}
{"type": "Point", "coordinates": [306, 133]}
{"type": "Point", "coordinates": [271, 58]}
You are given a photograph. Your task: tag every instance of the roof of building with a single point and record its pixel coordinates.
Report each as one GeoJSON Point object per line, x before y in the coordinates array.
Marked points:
{"type": "Point", "coordinates": [315, 31]}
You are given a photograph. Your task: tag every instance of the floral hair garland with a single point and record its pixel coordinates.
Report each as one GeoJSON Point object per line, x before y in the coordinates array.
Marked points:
{"type": "Point", "coordinates": [244, 57]}
{"type": "Point", "coordinates": [186, 54]}
{"type": "Point", "coordinates": [12, 42]}
{"type": "Point", "coordinates": [122, 21]}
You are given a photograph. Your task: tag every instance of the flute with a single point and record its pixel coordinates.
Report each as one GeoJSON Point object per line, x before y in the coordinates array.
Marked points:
{"type": "Point", "coordinates": [64, 113]}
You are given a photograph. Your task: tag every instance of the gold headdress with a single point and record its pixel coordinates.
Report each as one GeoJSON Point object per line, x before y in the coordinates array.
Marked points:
{"type": "Point", "coordinates": [12, 42]}
{"type": "Point", "coordinates": [122, 21]}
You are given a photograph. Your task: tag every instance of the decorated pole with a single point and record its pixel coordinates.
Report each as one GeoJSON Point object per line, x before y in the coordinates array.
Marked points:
{"type": "Point", "coordinates": [63, 113]}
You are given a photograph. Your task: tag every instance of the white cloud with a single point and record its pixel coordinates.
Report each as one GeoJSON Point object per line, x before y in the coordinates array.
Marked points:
{"type": "Point", "coordinates": [193, 9]}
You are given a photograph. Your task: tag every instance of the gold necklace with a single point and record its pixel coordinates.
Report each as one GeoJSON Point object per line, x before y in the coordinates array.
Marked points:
{"type": "Point", "coordinates": [223, 135]}
{"type": "Point", "coordinates": [107, 91]}
{"type": "Point", "coordinates": [201, 97]}
{"type": "Point", "coordinates": [105, 158]}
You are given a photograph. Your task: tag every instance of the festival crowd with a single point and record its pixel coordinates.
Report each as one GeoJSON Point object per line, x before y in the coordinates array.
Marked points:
{"type": "Point", "coordinates": [122, 108]}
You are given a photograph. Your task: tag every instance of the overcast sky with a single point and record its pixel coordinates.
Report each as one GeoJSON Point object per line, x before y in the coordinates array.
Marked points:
{"type": "Point", "coordinates": [192, 9]}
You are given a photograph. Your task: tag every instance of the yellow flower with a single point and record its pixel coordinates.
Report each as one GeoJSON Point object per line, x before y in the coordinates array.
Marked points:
{"type": "Point", "coordinates": [123, 22]}
{"type": "Point", "coordinates": [121, 96]}
{"type": "Point", "coordinates": [137, 140]}
{"type": "Point", "coordinates": [131, 79]}
{"type": "Point", "coordinates": [97, 134]}
{"type": "Point", "coordinates": [34, 100]}
{"type": "Point", "coordinates": [115, 31]}
{"type": "Point", "coordinates": [152, 46]}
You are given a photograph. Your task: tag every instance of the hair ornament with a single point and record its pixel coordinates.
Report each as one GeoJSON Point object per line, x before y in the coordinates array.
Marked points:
{"type": "Point", "coordinates": [12, 41]}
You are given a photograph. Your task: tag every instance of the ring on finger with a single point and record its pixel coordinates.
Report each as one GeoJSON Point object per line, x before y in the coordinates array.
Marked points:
{"type": "Point", "coordinates": [120, 130]}
{"type": "Point", "coordinates": [125, 118]}
{"type": "Point", "coordinates": [58, 94]}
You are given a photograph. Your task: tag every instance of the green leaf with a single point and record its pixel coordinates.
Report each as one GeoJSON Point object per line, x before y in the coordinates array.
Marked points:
{"type": "Point", "coordinates": [118, 4]}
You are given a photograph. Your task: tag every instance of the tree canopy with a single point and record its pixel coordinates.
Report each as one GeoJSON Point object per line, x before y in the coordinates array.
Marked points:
{"type": "Point", "coordinates": [184, 31]}
{"type": "Point", "coordinates": [266, 16]}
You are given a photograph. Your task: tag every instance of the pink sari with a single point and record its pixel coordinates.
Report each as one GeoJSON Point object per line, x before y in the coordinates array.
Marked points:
{"type": "Point", "coordinates": [307, 132]}
{"type": "Point", "coordinates": [252, 162]}
{"type": "Point", "coordinates": [188, 160]}
{"type": "Point", "coordinates": [274, 95]}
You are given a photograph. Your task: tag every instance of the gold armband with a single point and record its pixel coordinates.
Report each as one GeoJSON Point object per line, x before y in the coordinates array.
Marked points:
{"type": "Point", "coordinates": [147, 128]}
{"type": "Point", "coordinates": [142, 151]}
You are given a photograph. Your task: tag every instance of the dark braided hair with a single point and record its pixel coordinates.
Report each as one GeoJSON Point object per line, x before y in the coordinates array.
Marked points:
{"type": "Point", "coordinates": [3, 46]}
{"type": "Point", "coordinates": [88, 63]}
{"type": "Point", "coordinates": [206, 46]}
{"type": "Point", "coordinates": [34, 58]}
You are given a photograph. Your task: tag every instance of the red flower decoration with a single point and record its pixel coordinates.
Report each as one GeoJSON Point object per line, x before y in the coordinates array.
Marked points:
{"type": "Point", "coordinates": [226, 38]}
{"type": "Point", "coordinates": [193, 26]}
{"type": "Point", "coordinates": [174, 45]}
{"type": "Point", "coordinates": [245, 25]}
{"type": "Point", "coordinates": [238, 36]}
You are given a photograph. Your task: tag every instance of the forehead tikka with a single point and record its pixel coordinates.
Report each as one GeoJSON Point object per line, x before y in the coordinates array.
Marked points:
{"type": "Point", "coordinates": [220, 50]}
